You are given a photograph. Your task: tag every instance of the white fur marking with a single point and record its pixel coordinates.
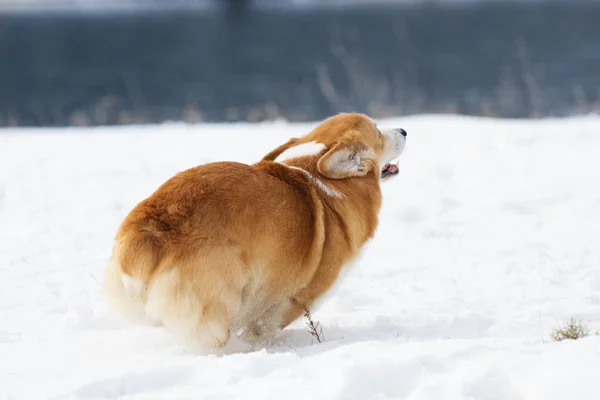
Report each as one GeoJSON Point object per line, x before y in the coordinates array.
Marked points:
{"type": "Point", "coordinates": [301, 150]}
{"type": "Point", "coordinates": [394, 145]}
{"type": "Point", "coordinates": [132, 286]}
{"type": "Point", "coordinates": [329, 191]}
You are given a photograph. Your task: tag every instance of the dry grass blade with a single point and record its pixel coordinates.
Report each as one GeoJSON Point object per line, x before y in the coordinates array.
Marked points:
{"type": "Point", "coordinates": [314, 329]}
{"type": "Point", "coordinates": [573, 330]}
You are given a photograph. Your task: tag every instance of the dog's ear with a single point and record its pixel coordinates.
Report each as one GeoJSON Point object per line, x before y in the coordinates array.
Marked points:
{"type": "Point", "coordinates": [347, 159]}
{"type": "Point", "coordinates": [277, 152]}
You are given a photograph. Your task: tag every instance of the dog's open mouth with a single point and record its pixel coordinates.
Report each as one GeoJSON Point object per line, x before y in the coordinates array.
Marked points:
{"type": "Point", "coordinates": [389, 170]}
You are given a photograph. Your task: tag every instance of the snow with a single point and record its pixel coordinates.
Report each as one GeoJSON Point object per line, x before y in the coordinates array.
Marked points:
{"type": "Point", "coordinates": [488, 239]}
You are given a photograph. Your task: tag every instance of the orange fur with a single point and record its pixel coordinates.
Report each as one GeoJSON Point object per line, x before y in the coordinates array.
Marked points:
{"type": "Point", "coordinates": [228, 246]}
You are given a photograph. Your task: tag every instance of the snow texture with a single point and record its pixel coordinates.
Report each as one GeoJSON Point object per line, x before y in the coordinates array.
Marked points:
{"type": "Point", "coordinates": [489, 238]}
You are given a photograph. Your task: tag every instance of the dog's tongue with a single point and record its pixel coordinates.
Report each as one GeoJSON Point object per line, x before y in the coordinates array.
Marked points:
{"type": "Point", "coordinates": [389, 170]}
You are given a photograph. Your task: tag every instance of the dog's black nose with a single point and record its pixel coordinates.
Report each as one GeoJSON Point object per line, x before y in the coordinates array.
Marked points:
{"type": "Point", "coordinates": [403, 132]}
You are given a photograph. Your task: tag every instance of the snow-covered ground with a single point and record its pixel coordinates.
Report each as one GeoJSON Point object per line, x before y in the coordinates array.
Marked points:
{"type": "Point", "coordinates": [489, 238]}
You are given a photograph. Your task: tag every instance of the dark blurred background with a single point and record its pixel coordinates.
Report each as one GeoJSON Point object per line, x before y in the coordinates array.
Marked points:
{"type": "Point", "coordinates": [95, 62]}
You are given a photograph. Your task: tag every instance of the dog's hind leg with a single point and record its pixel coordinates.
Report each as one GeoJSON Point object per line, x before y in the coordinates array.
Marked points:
{"type": "Point", "coordinates": [198, 304]}
{"type": "Point", "coordinates": [265, 328]}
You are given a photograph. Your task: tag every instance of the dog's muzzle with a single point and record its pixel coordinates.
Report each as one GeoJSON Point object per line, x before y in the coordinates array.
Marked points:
{"type": "Point", "coordinates": [394, 146]}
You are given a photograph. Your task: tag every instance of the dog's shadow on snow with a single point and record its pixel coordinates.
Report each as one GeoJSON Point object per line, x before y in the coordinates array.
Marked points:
{"type": "Point", "coordinates": [300, 339]}
{"type": "Point", "coordinates": [303, 341]}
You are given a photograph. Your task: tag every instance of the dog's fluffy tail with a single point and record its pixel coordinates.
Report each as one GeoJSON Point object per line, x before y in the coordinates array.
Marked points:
{"type": "Point", "coordinates": [126, 278]}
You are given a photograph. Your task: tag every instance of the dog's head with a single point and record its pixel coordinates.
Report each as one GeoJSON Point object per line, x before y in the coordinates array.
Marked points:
{"type": "Point", "coordinates": [344, 146]}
